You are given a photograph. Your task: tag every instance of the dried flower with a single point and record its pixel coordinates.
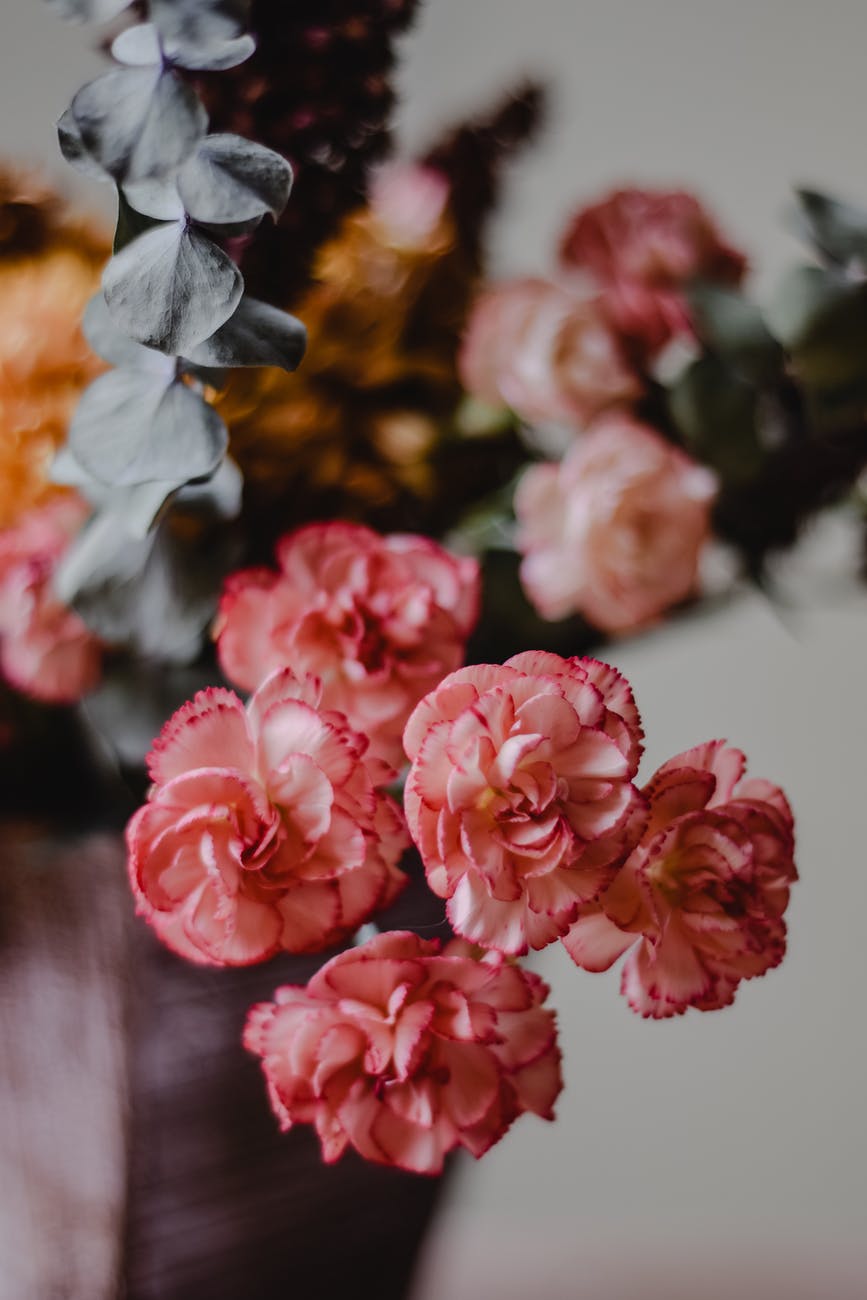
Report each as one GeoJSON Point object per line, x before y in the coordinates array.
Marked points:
{"type": "Point", "coordinates": [405, 1051]}
{"type": "Point", "coordinates": [49, 267]}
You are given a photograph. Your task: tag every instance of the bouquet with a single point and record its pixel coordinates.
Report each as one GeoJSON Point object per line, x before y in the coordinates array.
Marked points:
{"type": "Point", "coordinates": [315, 528]}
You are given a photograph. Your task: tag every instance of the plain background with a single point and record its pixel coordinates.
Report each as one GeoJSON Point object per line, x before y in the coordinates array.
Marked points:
{"type": "Point", "coordinates": [720, 1155]}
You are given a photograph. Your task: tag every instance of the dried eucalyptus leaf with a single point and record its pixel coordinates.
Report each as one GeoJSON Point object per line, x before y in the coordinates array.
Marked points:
{"type": "Point", "coordinates": [139, 123]}
{"type": "Point", "coordinates": [219, 496]}
{"type": "Point", "coordinates": [132, 428]}
{"type": "Point", "coordinates": [195, 24]}
{"type": "Point", "coordinates": [138, 47]}
{"type": "Point", "coordinates": [112, 345]}
{"type": "Point", "coordinates": [229, 179]}
{"type": "Point", "coordinates": [172, 288]}
{"type": "Point", "coordinates": [157, 199]}
{"type": "Point", "coordinates": [257, 335]}
{"type": "Point", "coordinates": [187, 439]}
{"type": "Point", "coordinates": [102, 556]}
{"type": "Point", "coordinates": [88, 11]}
{"type": "Point", "coordinates": [73, 150]}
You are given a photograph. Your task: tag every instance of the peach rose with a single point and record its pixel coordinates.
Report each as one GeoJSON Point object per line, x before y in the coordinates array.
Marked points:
{"type": "Point", "coordinates": [265, 828]}
{"type": "Point", "coordinates": [379, 620]}
{"type": "Point", "coordinates": [545, 352]}
{"type": "Point", "coordinates": [519, 793]}
{"type": "Point", "coordinates": [46, 651]}
{"type": "Point", "coordinates": [644, 246]}
{"type": "Point", "coordinates": [700, 900]}
{"type": "Point", "coordinates": [614, 531]}
{"type": "Point", "coordinates": [405, 1052]}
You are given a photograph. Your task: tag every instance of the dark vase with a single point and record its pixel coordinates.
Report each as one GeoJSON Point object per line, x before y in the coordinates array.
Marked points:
{"type": "Point", "coordinates": [140, 1157]}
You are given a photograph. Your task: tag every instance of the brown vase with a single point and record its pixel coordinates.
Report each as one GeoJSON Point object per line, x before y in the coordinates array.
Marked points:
{"type": "Point", "coordinates": [140, 1158]}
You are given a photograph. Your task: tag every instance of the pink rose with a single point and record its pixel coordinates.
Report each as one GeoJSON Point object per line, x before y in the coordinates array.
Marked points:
{"type": "Point", "coordinates": [45, 649]}
{"type": "Point", "coordinates": [379, 620]}
{"type": "Point", "coordinates": [614, 531]}
{"type": "Point", "coordinates": [405, 1052]}
{"type": "Point", "coordinates": [265, 829]}
{"type": "Point", "coordinates": [702, 894]}
{"type": "Point", "coordinates": [644, 246]}
{"type": "Point", "coordinates": [520, 791]}
{"type": "Point", "coordinates": [545, 352]}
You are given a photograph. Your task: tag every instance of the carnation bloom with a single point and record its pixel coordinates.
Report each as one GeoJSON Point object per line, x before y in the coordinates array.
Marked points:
{"type": "Point", "coordinates": [379, 620]}
{"type": "Point", "coordinates": [545, 352]}
{"type": "Point", "coordinates": [45, 649]}
{"type": "Point", "coordinates": [404, 1051]}
{"type": "Point", "coordinates": [520, 792]}
{"type": "Point", "coordinates": [265, 828]}
{"type": "Point", "coordinates": [644, 246]}
{"type": "Point", "coordinates": [615, 530]}
{"type": "Point", "coordinates": [700, 900]}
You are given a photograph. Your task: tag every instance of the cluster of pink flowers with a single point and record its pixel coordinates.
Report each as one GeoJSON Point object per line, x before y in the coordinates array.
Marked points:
{"type": "Point", "coordinates": [616, 531]}
{"type": "Point", "coordinates": [45, 649]}
{"type": "Point", "coordinates": [269, 828]}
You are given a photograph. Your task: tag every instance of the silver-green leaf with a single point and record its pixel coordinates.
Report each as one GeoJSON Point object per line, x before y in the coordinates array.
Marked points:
{"type": "Point", "coordinates": [132, 428]}
{"type": "Point", "coordinates": [203, 34]}
{"type": "Point", "coordinates": [229, 180]}
{"type": "Point", "coordinates": [172, 288]}
{"type": "Point", "coordinates": [139, 123]}
{"type": "Point", "coordinates": [256, 335]}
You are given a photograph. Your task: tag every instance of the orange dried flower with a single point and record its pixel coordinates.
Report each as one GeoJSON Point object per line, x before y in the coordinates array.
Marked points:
{"type": "Point", "coordinates": [49, 266]}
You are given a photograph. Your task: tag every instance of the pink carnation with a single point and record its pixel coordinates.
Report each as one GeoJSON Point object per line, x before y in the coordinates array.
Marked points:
{"type": "Point", "coordinates": [265, 829]}
{"type": "Point", "coordinates": [615, 530]}
{"type": "Point", "coordinates": [545, 352]}
{"type": "Point", "coordinates": [644, 246]}
{"type": "Point", "coordinates": [700, 900]}
{"type": "Point", "coordinates": [380, 620]}
{"type": "Point", "coordinates": [520, 792]}
{"type": "Point", "coordinates": [410, 201]}
{"type": "Point", "coordinates": [405, 1052]}
{"type": "Point", "coordinates": [45, 649]}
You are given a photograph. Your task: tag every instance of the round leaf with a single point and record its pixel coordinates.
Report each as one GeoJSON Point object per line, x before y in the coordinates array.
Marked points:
{"type": "Point", "coordinates": [132, 428]}
{"type": "Point", "coordinates": [139, 123]}
{"type": "Point", "coordinates": [838, 230]}
{"type": "Point", "coordinates": [172, 288]}
{"type": "Point", "coordinates": [203, 34]}
{"type": "Point", "coordinates": [112, 345]}
{"type": "Point", "coordinates": [229, 179]}
{"type": "Point", "coordinates": [257, 335]}
{"type": "Point", "coordinates": [73, 149]}
{"type": "Point", "coordinates": [138, 47]}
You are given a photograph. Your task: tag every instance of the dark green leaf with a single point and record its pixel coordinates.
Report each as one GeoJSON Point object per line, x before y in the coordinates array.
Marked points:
{"type": "Point", "coordinates": [838, 230]}
{"type": "Point", "coordinates": [230, 180]}
{"type": "Point", "coordinates": [821, 317]}
{"type": "Point", "coordinates": [730, 324]}
{"type": "Point", "coordinates": [716, 411]}
{"type": "Point", "coordinates": [256, 335]}
{"type": "Point", "coordinates": [172, 288]}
